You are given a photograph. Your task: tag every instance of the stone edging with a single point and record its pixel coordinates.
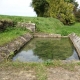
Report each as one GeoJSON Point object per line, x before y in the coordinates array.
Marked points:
{"type": "Point", "coordinates": [76, 42]}
{"type": "Point", "coordinates": [14, 46]}
{"type": "Point", "coordinates": [47, 35]}
{"type": "Point", "coordinates": [30, 26]}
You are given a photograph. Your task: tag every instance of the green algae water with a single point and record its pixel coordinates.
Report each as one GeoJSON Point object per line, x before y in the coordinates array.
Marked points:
{"type": "Point", "coordinates": [43, 49]}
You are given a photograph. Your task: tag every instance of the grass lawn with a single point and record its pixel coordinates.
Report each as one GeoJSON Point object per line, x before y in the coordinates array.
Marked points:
{"type": "Point", "coordinates": [69, 29]}
{"type": "Point", "coordinates": [11, 34]}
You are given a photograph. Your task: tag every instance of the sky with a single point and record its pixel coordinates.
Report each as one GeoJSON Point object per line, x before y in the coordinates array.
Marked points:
{"type": "Point", "coordinates": [78, 2]}
{"type": "Point", "coordinates": [18, 7]}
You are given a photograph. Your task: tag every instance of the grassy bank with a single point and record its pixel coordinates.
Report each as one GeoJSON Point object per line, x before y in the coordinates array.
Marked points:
{"type": "Point", "coordinates": [47, 25]}
{"type": "Point", "coordinates": [43, 25]}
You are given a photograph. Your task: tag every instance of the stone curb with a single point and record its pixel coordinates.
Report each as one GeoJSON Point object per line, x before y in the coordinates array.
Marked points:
{"type": "Point", "coordinates": [76, 42]}
{"type": "Point", "coordinates": [47, 35]}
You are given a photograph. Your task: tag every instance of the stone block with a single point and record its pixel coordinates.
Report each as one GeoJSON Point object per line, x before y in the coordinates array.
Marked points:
{"type": "Point", "coordinates": [30, 26]}
{"type": "Point", "coordinates": [76, 41]}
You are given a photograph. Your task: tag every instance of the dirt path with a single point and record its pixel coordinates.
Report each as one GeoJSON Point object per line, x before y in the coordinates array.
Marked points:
{"type": "Point", "coordinates": [52, 73]}
{"type": "Point", "coordinates": [17, 75]}
{"type": "Point", "coordinates": [62, 74]}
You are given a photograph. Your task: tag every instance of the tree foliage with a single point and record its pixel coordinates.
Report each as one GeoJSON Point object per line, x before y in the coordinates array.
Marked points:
{"type": "Point", "coordinates": [76, 10]}
{"type": "Point", "coordinates": [60, 9]}
{"type": "Point", "coordinates": [77, 14]}
{"type": "Point", "coordinates": [75, 5]}
{"type": "Point", "coordinates": [40, 7]}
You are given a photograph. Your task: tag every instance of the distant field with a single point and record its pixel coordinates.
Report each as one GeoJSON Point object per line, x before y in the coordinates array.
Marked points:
{"type": "Point", "coordinates": [43, 25]}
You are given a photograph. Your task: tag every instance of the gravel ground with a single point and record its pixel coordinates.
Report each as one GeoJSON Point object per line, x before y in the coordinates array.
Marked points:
{"type": "Point", "coordinates": [57, 73]}
{"type": "Point", "coordinates": [63, 74]}
{"type": "Point", "coordinates": [17, 75]}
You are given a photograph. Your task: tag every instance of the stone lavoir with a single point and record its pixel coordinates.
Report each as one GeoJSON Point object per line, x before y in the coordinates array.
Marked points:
{"type": "Point", "coordinates": [18, 43]}
{"type": "Point", "coordinates": [47, 47]}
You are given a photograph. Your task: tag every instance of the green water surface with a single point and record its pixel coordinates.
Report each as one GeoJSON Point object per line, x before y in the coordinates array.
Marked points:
{"type": "Point", "coordinates": [46, 49]}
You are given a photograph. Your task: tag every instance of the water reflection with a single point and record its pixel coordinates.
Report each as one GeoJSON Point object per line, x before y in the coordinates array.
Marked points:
{"type": "Point", "coordinates": [28, 56]}
{"type": "Point", "coordinates": [42, 49]}
{"type": "Point", "coordinates": [74, 56]}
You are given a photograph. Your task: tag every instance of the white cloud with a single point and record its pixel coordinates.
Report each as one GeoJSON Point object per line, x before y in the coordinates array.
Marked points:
{"type": "Point", "coordinates": [16, 7]}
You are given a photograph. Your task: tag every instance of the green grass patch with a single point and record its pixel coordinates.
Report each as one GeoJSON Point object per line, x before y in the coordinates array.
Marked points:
{"type": "Point", "coordinates": [11, 34]}
{"type": "Point", "coordinates": [69, 29]}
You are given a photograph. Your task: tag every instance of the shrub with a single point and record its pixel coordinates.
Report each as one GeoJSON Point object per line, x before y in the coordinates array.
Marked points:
{"type": "Point", "coordinates": [5, 24]}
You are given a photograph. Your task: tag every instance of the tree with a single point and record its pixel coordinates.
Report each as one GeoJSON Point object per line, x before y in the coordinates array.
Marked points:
{"type": "Point", "coordinates": [74, 3]}
{"type": "Point", "coordinates": [40, 7]}
{"type": "Point", "coordinates": [60, 9]}
{"type": "Point", "coordinates": [77, 14]}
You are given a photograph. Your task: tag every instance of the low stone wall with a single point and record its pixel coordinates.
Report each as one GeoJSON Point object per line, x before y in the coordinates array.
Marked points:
{"type": "Point", "coordinates": [47, 35]}
{"type": "Point", "coordinates": [30, 26]}
{"type": "Point", "coordinates": [76, 42]}
{"type": "Point", "coordinates": [14, 46]}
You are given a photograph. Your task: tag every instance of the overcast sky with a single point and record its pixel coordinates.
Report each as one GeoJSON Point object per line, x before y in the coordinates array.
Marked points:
{"type": "Point", "coordinates": [17, 7]}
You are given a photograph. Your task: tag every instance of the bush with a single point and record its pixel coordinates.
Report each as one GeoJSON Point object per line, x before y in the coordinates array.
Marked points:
{"type": "Point", "coordinates": [5, 24]}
